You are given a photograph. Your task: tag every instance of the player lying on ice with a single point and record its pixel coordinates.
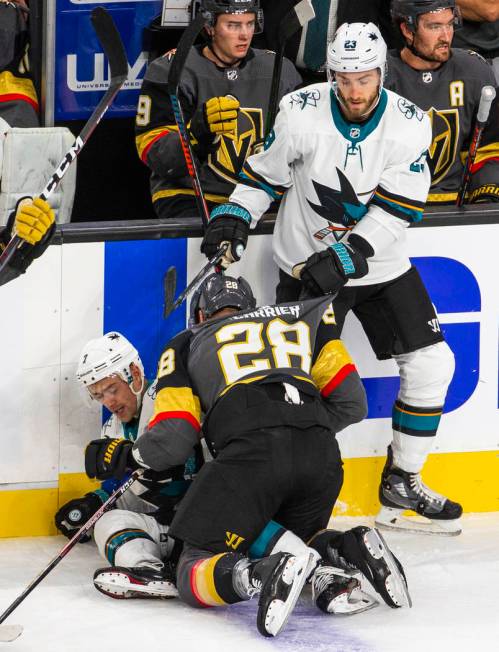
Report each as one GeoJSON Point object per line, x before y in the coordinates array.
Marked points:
{"type": "Point", "coordinates": [33, 222]}
{"type": "Point", "coordinates": [348, 159]}
{"type": "Point", "coordinates": [274, 384]}
{"type": "Point", "coordinates": [135, 534]}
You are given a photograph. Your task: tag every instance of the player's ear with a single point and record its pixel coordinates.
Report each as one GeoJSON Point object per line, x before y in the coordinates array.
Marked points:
{"type": "Point", "coordinates": [200, 317]}
{"type": "Point", "coordinates": [406, 32]}
{"type": "Point", "coordinates": [136, 374]}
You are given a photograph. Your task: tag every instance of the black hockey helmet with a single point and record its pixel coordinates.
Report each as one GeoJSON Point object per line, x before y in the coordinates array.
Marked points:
{"type": "Point", "coordinates": [218, 291]}
{"type": "Point", "coordinates": [213, 8]}
{"type": "Point", "coordinates": [408, 11]}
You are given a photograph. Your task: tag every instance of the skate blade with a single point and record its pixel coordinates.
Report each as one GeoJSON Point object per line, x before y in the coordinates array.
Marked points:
{"type": "Point", "coordinates": [390, 518]}
{"type": "Point", "coordinates": [355, 603]}
{"type": "Point", "coordinates": [277, 621]}
{"type": "Point", "coordinates": [395, 583]}
{"type": "Point", "coordinates": [120, 587]}
{"type": "Point", "coordinates": [9, 633]}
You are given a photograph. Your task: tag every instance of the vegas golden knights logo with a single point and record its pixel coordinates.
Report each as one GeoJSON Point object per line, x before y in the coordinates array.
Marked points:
{"type": "Point", "coordinates": [229, 158]}
{"type": "Point", "coordinates": [443, 149]}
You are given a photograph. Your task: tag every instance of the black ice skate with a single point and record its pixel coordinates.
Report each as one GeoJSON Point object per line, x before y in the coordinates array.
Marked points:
{"type": "Point", "coordinates": [139, 582]}
{"type": "Point", "coordinates": [278, 580]}
{"type": "Point", "coordinates": [364, 549]}
{"type": "Point", "coordinates": [335, 591]}
{"type": "Point", "coordinates": [400, 490]}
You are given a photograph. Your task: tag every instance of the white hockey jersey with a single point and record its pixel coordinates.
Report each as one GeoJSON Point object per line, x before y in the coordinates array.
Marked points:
{"type": "Point", "coordinates": [335, 176]}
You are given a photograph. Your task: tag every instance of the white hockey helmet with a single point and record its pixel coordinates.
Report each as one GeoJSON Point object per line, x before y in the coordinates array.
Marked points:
{"type": "Point", "coordinates": [356, 47]}
{"type": "Point", "coordinates": [109, 355]}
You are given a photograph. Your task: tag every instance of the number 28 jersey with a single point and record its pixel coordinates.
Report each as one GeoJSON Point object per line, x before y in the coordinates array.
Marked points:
{"type": "Point", "coordinates": [295, 342]}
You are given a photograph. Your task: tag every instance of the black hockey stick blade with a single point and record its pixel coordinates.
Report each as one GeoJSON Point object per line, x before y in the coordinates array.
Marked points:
{"type": "Point", "coordinates": [296, 18]}
{"type": "Point", "coordinates": [169, 287]}
{"type": "Point", "coordinates": [9, 633]}
{"type": "Point", "coordinates": [182, 52]}
{"type": "Point", "coordinates": [111, 42]}
{"type": "Point", "coordinates": [213, 262]}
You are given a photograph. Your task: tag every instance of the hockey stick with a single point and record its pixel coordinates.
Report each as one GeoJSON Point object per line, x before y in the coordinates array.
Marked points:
{"type": "Point", "coordinates": [9, 631]}
{"type": "Point", "coordinates": [213, 262]}
{"type": "Point", "coordinates": [291, 23]}
{"type": "Point", "coordinates": [112, 45]}
{"type": "Point", "coordinates": [486, 98]}
{"type": "Point", "coordinates": [182, 52]}
{"type": "Point", "coordinates": [169, 286]}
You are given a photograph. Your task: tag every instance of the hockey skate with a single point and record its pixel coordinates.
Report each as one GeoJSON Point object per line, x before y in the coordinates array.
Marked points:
{"type": "Point", "coordinates": [139, 582]}
{"type": "Point", "coordinates": [364, 549]}
{"type": "Point", "coordinates": [400, 490]}
{"type": "Point", "coordinates": [335, 591]}
{"type": "Point", "coordinates": [278, 580]}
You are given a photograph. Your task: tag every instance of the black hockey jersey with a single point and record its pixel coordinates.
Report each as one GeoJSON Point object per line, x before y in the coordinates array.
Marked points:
{"type": "Point", "coordinates": [450, 95]}
{"type": "Point", "coordinates": [295, 343]}
{"type": "Point", "coordinates": [156, 132]}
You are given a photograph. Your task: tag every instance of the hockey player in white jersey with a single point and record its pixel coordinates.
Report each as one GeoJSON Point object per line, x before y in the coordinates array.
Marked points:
{"type": "Point", "coordinates": [348, 160]}
{"type": "Point", "coordinates": [134, 537]}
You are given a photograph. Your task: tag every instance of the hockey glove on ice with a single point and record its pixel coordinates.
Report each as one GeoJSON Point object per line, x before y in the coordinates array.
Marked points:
{"type": "Point", "coordinates": [216, 117]}
{"type": "Point", "coordinates": [328, 271]}
{"type": "Point", "coordinates": [228, 223]}
{"type": "Point", "coordinates": [75, 513]}
{"type": "Point", "coordinates": [109, 458]}
{"type": "Point", "coordinates": [33, 220]}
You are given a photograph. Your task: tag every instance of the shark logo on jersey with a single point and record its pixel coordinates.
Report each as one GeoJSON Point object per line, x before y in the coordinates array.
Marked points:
{"type": "Point", "coordinates": [305, 98]}
{"type": "Point", "coordinates": [443, 149]}
{"type": "Point", "coordinates": [409, 109]}
{"type": "Point", "coordinates": [340, 208]}
{"type": "Point", "coordinates": [233, 151]}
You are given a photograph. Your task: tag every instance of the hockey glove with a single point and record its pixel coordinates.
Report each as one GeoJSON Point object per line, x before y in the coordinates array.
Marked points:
{"type": "Point", "coordinates": [328, 271]}
{"type": "Point", "coordinates": [228, 223]}
{"type": "Point", "coordinates": [33, 220]}
{"type": "Point", "coordinates": [75, 513]}
{"type": "Point", "coordinates": [109, 458]}
{"type": "Point", "coordinates": [216, 117]}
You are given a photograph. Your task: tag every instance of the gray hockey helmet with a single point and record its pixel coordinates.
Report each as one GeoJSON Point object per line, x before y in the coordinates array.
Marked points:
{"type": "Point", "coordinates": [218, 291]}
{"type": "Point", "coordinates": [213, 8]}
{"type": "Point", "coordinates": [408, 11]}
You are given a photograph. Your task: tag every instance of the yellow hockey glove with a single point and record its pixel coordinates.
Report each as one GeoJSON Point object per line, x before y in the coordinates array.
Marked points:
{"type": "Point", "coordinates": [217, 116]}
{"type": "Point", "coordinates": [33, 219]}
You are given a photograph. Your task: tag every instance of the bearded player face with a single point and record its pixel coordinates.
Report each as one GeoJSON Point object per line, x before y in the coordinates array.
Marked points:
{"type": "Point", "coordinates": [433, 35]}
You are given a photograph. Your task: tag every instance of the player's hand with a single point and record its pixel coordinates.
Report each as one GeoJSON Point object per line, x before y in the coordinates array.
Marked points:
{"type": "Point", "coordinates": [75, 513]}
{"type": "Point", "coordinates": [228, 223]}
{"type": "Point", "coordinates": [328, 271]}
{"type": "Point", "coordinates": [33, 219]}
{"type": "Point", "coordinates": [216, 117]}
{"type": "Point", "coordinates": [108, 458]}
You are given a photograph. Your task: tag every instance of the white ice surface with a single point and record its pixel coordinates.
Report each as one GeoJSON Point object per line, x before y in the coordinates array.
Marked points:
{"type": "Point", "coordinates": [454, 585]}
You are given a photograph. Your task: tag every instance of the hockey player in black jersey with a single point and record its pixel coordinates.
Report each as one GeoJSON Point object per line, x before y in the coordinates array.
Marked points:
{"type": "Point", "coordinates": [446, 83]}
{"type": "Point", "coordinates": [224, 94]}
{"type": "Point", "coordinates": [274, 383]}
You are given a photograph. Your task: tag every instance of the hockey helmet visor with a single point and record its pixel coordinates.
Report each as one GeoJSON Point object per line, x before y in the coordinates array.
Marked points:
{"type": "Point", "coordinates": [213, 8]}
{"type": "Point", "coordinates": [409, 11]}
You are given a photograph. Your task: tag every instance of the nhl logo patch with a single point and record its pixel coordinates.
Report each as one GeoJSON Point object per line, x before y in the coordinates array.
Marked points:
{"type": "Point", "coordinates": [427, 77]}
{"type": "Point", "coordinates": [231, 74]}
{"type": "Point", "coordinates": [354, 132]}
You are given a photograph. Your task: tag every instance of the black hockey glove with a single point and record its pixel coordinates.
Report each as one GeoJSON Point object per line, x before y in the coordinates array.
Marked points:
{"type": "Point", "coordinates": [328, 271]}
{"type": "Point", "coordinates": [109, 458]}
{"type": "Point", "coordinates": [228, 223]}
{"type": "Point", "coordinates": [76, 513]}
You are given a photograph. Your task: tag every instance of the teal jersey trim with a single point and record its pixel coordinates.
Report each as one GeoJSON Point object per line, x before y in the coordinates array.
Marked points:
{"type": "Point", "coordinates": [356, 132]}
{"type": "Point", "coordinates": [265, 187]}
